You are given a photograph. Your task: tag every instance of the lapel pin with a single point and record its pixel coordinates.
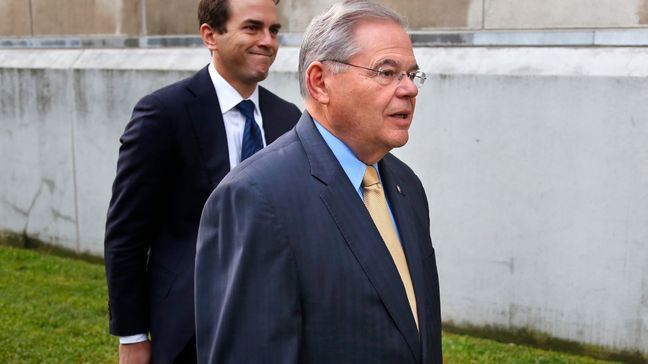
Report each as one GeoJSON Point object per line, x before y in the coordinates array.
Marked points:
{"type": "Point", "coordinates": [398, 189]}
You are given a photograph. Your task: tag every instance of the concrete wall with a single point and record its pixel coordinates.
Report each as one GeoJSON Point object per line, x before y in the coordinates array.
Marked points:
{"type": "Point", "coordinates": [534, 161]}
{"type": "Point", "coordinates": [62, 114]}
{"type": "Point", "coordinates": [172, 17]}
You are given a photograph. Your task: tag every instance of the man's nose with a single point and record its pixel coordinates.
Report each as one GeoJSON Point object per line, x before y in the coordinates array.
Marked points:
{"type": "Point", "coordinates": [406, 87]}
{"type": "Point", "coordinates": [267, 38]}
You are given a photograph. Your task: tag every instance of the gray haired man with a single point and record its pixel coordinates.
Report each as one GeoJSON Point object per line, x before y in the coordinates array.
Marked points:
{"type": "Point", "coordinates": [317, 249]}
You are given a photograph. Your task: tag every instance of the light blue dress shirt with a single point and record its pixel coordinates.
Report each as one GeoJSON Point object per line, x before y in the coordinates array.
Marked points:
{"type": "Point", "coordinates": [352, 166]}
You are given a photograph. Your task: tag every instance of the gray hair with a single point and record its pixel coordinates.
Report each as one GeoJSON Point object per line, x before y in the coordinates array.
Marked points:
{"type": "Point", "coordinates": [330, 35]}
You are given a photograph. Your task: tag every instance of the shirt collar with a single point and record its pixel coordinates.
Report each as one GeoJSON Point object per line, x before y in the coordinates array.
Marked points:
{"type": "Point", "coordinates": [352, 166]}
{"type": "Point", "coordinates": [228, 97]}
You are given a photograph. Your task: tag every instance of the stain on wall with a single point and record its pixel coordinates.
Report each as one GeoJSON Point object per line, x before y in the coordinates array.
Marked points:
{"type": "Point", "coordinates": [8, 98]}
{"type": "Point", "coordinates": [44, 91]}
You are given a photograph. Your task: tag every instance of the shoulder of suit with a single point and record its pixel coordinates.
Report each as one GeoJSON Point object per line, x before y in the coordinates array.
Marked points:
{"type": "Point", "coordinates": [180, 87]}
{"type": "Point", "coordinates": [400, 168]}
{"type": "Point", "coordinates": [276, 162]}
{"type": "Point", "coordinates": [271, 97]}
{"type": "Point", "coordinates": [172, 89]}
{"type": "Point", "coordinates": [395, 163]}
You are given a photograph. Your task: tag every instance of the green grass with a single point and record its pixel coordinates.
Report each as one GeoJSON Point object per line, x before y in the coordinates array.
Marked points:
{"type": "Point", "coordinates": [466, 349]}
{"type": "Point", "coordinates": [53, 310]}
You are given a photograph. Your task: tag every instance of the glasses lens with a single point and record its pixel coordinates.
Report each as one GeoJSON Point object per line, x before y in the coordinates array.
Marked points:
{"type": "Point", "coordinates": [419, 78]}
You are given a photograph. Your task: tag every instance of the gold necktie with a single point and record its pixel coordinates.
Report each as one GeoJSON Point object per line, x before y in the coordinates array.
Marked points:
{"type": "Point", "coordinates": [376, 203]}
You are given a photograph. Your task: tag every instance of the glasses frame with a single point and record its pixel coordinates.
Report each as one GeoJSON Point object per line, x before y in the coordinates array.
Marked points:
{"type": "Point", "coordinates": [411, 75]}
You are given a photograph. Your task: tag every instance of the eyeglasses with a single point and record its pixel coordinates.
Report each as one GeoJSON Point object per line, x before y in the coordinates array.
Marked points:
{"type": "Point", "coordinates": [388, 76]}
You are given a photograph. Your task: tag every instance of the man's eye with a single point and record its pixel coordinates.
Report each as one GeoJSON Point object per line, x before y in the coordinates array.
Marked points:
{"type": "Point", "coordinates": [387, 73]}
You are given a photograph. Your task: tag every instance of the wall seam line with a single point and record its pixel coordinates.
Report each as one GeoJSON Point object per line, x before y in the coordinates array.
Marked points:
{"type": "Point", "coordinates": [70, 90]}
{"type": "Point", "coordinates": [483, 24]}
{"type": "Point", "coordinates": [144, 25]}
{"type": "Point", "coordinates": [31, 18]}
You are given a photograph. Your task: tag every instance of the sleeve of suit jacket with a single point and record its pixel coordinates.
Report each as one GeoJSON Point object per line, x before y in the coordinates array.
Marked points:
{"type": "Point", "coordinates": [138, 194]}
{"type": "Point", "coordinates": [247, 299]}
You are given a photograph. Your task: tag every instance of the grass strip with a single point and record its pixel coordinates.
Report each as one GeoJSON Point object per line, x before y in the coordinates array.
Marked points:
{"type": "Point", "coordinates": [53, 310]}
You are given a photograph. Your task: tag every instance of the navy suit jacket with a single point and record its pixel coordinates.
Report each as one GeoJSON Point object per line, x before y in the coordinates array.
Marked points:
{"type": "Point", "coordinates": [290, 268]}
{"type": "Point", "coordinates": [173, 154]}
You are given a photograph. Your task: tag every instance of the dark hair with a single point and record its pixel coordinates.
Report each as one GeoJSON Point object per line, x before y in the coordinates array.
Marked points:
{"type": "Point", "coordinates": [216, 13]}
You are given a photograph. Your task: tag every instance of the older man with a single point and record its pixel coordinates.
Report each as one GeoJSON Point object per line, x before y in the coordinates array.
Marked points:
{"type": "Point", "coordinates": [177, 147]}
{"type": "Point", "coordinates": [317, 249]}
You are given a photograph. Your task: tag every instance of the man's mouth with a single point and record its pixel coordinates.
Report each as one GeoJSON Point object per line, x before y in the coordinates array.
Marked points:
{"type": "Point", "coordinates": [261, 54]}
{"type": "Point", "coordinates": [403, 115]}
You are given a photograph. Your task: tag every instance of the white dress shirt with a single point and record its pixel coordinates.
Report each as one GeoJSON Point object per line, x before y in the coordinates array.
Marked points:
{"type": "Point", "coordinates": [234, 121]}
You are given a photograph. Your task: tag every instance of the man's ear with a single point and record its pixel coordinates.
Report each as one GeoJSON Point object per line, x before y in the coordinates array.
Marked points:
{"type": "Point", "coordinates": [209, 37]}
{"type": "Point", "coordinates": [317, 81]}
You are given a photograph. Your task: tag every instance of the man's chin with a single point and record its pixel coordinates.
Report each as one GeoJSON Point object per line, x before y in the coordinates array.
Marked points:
{"type": "Point", "coordinates": [260, 74]}
{"type": "Point", "coordinates": [259, 78]}
{"type": "Point", "coordinates": [399, 140]}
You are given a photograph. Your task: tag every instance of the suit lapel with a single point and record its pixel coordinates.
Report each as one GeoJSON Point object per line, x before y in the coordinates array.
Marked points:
{"type": "Point", "coordinates": [207, 121]}
{"type": "Point", "coordinates": [357, 228]}
{"type": "Point", "coordinates": [402, 210]}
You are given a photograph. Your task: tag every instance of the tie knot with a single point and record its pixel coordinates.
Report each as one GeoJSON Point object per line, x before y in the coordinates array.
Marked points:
{"type": "Point", "coordinates": [370, 177]}
{"type": "Point", "coordinates": [246, 107]}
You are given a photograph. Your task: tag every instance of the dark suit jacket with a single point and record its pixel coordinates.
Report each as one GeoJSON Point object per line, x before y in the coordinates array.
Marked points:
{"type": "Point", "coordinates": [173, 154]}
{"type": "Point", "coordinates": [290, 268]}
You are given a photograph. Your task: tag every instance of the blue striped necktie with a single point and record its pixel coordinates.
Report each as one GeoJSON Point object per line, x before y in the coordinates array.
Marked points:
{"type": "Point", "coordinates": [252, 139]}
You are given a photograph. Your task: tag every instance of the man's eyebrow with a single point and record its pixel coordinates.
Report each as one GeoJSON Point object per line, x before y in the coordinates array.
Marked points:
{"type": "Point", "coordinates": [386, 62]}
{"type": "Point", "coordinates": [259, 23]}
{"type": "Point", "coordinates": [393, 63]}
{"type": "Point", "coordinates": [254, 22]}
